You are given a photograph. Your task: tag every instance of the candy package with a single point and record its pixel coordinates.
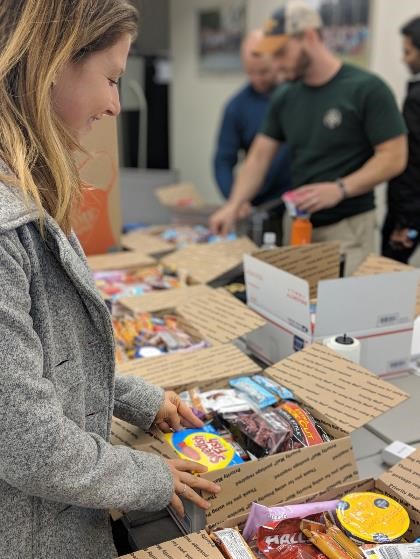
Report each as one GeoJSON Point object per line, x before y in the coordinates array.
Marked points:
{"type": "Point", "coordinates": [231, 544]}
{"type": "Point", "coordinates": [224, 401]}
{"type": "Point", "coordinates": [284, 540]}
{"type": "Point", "coordinates": [205, 446]}
{"type": "Point", "coordinates": [117, 284]}
{"type": "Point", "coordinates": [261, 433]}
{"type": "Point", "coordinates": [261, 515]}
{"type": "Point", "coordinates": [306, 430]}
{"type": "Point", "coordinates": [272, 386]}
{"type": "Point", "coordinates": [149, 335]}
{"type": "Point", "coordinates": [185, 235]}
{"type": "Point", "coordinates": [254, 391]}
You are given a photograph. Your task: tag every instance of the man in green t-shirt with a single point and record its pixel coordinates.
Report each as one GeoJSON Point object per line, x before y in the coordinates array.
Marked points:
{"type": "Point", "coordinates": [345, 133]}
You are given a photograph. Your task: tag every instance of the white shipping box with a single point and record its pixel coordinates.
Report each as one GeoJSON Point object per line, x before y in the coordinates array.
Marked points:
{"type": "Point", "coordinates": [377, 309]}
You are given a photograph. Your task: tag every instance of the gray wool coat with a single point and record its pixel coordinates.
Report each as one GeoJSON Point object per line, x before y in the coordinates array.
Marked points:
{"type": "Point", "coordinates": [58, 392]}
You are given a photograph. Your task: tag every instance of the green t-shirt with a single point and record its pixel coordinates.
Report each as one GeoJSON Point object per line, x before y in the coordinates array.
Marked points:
{"type": "Point", "coordinates": [332, 131]}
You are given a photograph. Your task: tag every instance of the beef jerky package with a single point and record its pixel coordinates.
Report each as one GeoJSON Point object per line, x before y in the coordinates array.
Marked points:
{"type": "Point", "coordinates": [262, 433]}
{"type": "Point", "coordinates": [306, 430]}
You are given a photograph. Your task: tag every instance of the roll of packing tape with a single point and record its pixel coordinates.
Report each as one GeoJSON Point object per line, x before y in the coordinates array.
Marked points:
{"type": "Point", "coordinates": [346, 346]}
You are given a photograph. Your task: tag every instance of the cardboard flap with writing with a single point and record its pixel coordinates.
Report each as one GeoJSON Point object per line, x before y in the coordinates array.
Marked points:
{"type": "Point", "coordinates": [146, 242]}
{"type": "Point", "coordinates": [174, 195]}
{"type": "Point", "coordinates": [402, 482]}
{"type": "Point", "coordinates": [185, 369]}
{"type": "Point", "coordinates": [343, 392]}
{"type": "Point", "coordinates": [206, 263]}
{"type": "Point", "coordinates": [123, 433]}
{"type": "Point", "coordinates": [220, 317]}
{"type": "Point", "coordinates": [195, 545]}
{"type": "Point", "coordinates": [375, 264]}
{"type": "Point", "coordinates": [280, 297]}
{"type": "Point", "coordinates": [312, 263]}
{"type": "Point", "coordinates": [167, 299]}
{"type": "Point", "coordinates": [123, 260]}
{"type": "Point", "coordinates": [366, 304]}
{"type": "Point", "coordinates": [280, 478]}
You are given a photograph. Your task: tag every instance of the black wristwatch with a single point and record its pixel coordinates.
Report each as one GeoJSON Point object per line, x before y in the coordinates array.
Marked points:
{"type": "Point", "coordinates": [343, 188]}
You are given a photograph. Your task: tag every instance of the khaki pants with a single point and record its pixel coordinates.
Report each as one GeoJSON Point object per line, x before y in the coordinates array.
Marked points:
{"type": "Point", "coordinates": [355, 233]}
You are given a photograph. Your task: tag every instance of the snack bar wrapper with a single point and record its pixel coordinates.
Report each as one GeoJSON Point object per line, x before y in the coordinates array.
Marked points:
{"type": "Point", "coordinates": [306, 430]}
{"type": "Point", "coordinates": [204, 446]}
{"type": "Point", "coordinates": [261, 515]}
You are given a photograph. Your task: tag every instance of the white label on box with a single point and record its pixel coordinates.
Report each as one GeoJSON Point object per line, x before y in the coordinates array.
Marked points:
{"type": "Point", "coordinates": [277, 295]}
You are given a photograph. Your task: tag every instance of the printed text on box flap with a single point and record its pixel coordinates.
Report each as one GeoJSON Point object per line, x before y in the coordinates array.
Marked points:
{"type": "Point", "coordinates": [177, 370]}
{"type": "Point", "coordinates": [220, 317]}
{"type": "Point", "coordinates": [205, 263]}
{"type": "Point", "coordinates": [343, 392]}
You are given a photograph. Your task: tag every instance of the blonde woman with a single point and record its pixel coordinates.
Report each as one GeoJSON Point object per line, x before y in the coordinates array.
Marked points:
{"type": "Point", "coordinates": [60, 61]}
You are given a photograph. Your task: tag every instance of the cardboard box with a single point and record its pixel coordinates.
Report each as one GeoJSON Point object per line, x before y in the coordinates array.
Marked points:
{"type": "Point", "coordinates": [148, 242]}
{"type": "Point", "coordinates": [186, 204]}
{"type": "Point", "coordinates": [375, 264]}
{"type": "Point", "coordinates": [168, 298]}
{"type": "Point", "coordinates": [401, 483]}
{"type": "Point", "coordinates": [189, 547]}
{"type": "Point", "coordinates": [281, 284]}
{"type": "Point", "coordinates": [343, 397]}
{"type": "Point", "coordinates": [97, 221]}
{"type": "Point", "coordinates": [219, 262]}
{"type": "Point", "coordinates": [123, 260]}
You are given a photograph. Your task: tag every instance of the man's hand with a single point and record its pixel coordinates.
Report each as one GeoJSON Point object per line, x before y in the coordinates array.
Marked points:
{"type": "Point", "coordinates": [400, 239]}
{"type": "Point", "coordinates": [314, 197]}
{"type": "Point", "coordinates": [223, 221]}
{"type": "Point", "coordinates": [185, 484]}
{"type": "Point", "coordinates": [174, 414]}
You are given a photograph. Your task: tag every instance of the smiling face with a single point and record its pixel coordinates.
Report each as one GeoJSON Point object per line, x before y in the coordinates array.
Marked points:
{"type": "Point", "coordinates": [87, 90]}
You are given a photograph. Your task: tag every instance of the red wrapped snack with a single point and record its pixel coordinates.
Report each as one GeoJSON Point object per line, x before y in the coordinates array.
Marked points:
{"type": "Point", "coordinates": [284, 540]}
{"type": "Point", "coordinates": [306, 430]}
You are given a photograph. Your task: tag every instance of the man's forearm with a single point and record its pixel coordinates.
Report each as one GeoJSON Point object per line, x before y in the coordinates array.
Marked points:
{"type": "Point", "coordinates": [254, 170]}
{"type": "Point", "coordinates": [381, 167]}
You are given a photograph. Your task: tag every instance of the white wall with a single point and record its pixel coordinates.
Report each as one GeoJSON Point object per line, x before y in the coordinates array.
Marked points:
{"type": "Point", "coordinates": [197, 101]}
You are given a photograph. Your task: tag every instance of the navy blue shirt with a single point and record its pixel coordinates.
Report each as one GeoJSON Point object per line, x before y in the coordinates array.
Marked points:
{"type": "Point", "coordinates": [242, 120]}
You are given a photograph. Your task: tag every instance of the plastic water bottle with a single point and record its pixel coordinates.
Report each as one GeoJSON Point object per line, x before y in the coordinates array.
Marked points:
{"type": "Point", "coordinates": [269, 240]}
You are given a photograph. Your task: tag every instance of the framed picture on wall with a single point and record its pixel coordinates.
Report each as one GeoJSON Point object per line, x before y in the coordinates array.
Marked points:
{"type": "Point", "coordinates": [220, 32]}
{"type": "Point", "coordinates": [346, 28]}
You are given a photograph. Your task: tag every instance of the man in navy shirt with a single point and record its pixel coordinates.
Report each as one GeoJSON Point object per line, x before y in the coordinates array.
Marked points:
{"type": "Point", "coordinates": [241, 122]}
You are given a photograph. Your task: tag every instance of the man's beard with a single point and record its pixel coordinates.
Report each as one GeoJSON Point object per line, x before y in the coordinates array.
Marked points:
{"type": "Point", "coordinates": [302, 64]}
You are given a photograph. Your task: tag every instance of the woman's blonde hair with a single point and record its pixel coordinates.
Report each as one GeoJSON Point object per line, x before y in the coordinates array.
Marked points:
{"type": "Point", "coordinates": [37, 38]}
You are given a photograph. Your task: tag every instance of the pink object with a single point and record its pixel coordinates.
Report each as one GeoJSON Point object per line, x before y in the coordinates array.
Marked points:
{"type": "Point", "coordinates": [260, 515]}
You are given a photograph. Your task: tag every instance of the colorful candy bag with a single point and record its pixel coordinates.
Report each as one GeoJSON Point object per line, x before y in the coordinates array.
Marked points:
{"type": "Point", "coordinates": [261, 515]}
{"type": "Point", "coordinates": [306, 430]}
{"type": "Point", "coordinates": [205, 446]}
{"type": "Point", "coordinates": [284, 540]}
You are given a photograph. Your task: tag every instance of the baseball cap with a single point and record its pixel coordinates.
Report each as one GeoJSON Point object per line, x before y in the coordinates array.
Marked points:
{"type": "Point", "coordinates": [297, 16]}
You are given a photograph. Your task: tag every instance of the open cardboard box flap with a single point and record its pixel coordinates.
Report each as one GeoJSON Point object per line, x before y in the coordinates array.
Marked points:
{"type": "Point", "coordinates": [188, 547]}
{"type": "Point", "coordinates": [312, 263]}
{"type": "Point", "coordinates": [343, 392]}
{"type": "Point", "coordinates": [206, 263]}
{"type": "Point", "coordinates": [220, 317]}
{"type": "Point", "coordinates": [181, 370]}
{"type": "Point", "coordinates": [123, 260]}
{"type": "Point", "coordinates": [174, 195]}
{"type": "Point", "coordinates": [375, 264]}
{"type": "Point", "coordinates": [166, 299]}
{"type": "Point", "coordinates": [147, 241]}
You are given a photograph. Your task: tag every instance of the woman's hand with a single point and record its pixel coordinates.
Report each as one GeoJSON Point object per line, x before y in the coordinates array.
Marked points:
{"type": "Point", "coordinates": [185, 484]}
{"type": "Point", "coordinates": [174, 414]}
